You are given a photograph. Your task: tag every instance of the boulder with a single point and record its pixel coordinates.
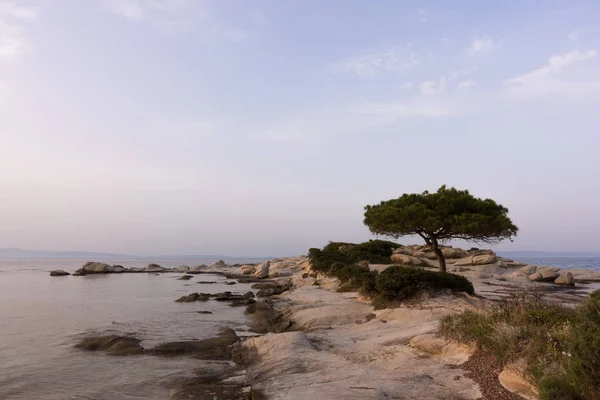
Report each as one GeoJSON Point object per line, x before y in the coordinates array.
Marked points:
{"type": "Point", "coordinates": [118, 269]}
{"type": "Point", "coordinates": [514, 382]}
{"type": "Point", "coordinates": [185, 278]}
{"type": "Point", "coordinates": [182, 268]}
{"type": "Point", "coordinates": [219, 264]}
{"type": "Point", "coordinates": [112, 344]}
{"type": "Point", "coordinates": [484, 259]}
{"type": "Point", "coordinates": [59, 272]}
{"type": "Point", "coordinates": [217, 348]}
{"type": "Point", "coordinates": [528, 269]}
{"type": "Point", "coordinates": [419, 254]}
{"type": "Point", "coordinates": [453, 253]}
{"type": "Point", "coordinates": [262, 270]}
{"type": "Point", "coordinates": [248, 269]}
{"type": "Point", "coordinates": [463, 262]}
{"type": "Point", "coordinates": [403, 259]}
{"type": "Point", "coordinates": [430, 255]}
{"type": "Point", "coordinates": [197, 269]}
{"type": "Point", "coordinates": [515, 264]}
{"type": "Point", "coordinates": [154, 268]}
{"type": "Point", "coordinates": [536, 277]}
{"type": "Point", "coordinates": [192, 297]}
{"type": "Point", "coordinates": [96, 268]}
{"type": "Point", "coordinates": [565, 279]}
{"type": "Point", "coordinates": [548, 275]}
{"type": "Point", "coordinates": [547, 269]}
{"type": "Point", "coordinates": [585, 275]}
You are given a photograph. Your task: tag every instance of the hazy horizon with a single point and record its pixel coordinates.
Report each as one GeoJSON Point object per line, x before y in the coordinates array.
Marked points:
{"type": "Point", "coordinates": [263, 128]}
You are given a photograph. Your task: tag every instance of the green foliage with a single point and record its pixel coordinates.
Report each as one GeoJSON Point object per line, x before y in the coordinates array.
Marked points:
{"type": "Point", "coordinates": [561, 345]}
{"type": "Point", "coordinates": [441, 216]}
{"type": "Point", "coordinates": [445, 214]}
{"type": "Point", "coordinates": [340, 260]}
{"type": "Point", "coordinates": [399, 283]}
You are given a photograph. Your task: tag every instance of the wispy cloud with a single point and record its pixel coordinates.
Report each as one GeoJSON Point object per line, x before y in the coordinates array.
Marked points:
{"type": "Point", "coordinates": [174, 15]}
{"type": "Point", "coordinates": [430, 87]}
{"type": "Point", "coordinates": [464, 85]}
{"type": "Point", "coordinates": [482, 45]}
{"type": "Point", "coordinates": [548, 79]}
{"type": "Point", "coordinates": [368, 65]}
{"type": "Point", "coordinates": [13, 40]}
{"type": "Point", "coordinates": [417, 107]}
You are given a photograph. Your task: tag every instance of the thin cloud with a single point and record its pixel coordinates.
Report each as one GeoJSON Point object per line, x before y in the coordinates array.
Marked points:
{"type": "Point", "coordinates": [574, 35]}
{"type": "Point", "coordinates": [13, 40]}
{"type": "Point", "coordinates": [176, 15]}
{"type": "Point", "coordinates": [482, 45]}
{"type": "Point", "coordinates": [371, 64]}
{"type": "Point", "coordinates": [418, 107]}
{"type": "Point", "coordinates": [430, 87]}
{"type": "Point", "coordinates": [464, 85]}
{"type": "Point", "coordinates": [548, 79]}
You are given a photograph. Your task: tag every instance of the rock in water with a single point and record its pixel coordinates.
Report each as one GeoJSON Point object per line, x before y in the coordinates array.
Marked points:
{"type": "Point", "coordinates": [219, 264]}
{"type": "Point", "coordinates": [197, 269]}
{"type": "Point", "coordinates": [154, 268]}
{"type": "Point", "coordinates": [59, 272]}
{"type": "Point", "coordinates": [96, 268]}
{"type": "Point", "coordinates": [217, 348]}
{"type": "Point", "coordinates": [112, 344]}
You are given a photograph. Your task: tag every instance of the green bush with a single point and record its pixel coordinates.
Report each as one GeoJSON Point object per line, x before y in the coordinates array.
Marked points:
{"type": "Point", "coordinates": [400, 283]}
{"type": "Point", "coordinates": [561, 345]}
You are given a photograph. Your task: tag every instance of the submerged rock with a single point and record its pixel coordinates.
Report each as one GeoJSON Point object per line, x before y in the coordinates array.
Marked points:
{"type": "Point", "coordinates": [59, 272]}
{"type": "Point", "coordinates": [112, 344]}
{"type": "Point", "coordinates": [185, 278]}
{"type": "Point", "coordinates": [217, 348]}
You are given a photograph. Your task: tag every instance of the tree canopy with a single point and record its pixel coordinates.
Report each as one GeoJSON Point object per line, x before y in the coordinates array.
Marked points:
{"type": "Point", "coordinates": [441, 216]}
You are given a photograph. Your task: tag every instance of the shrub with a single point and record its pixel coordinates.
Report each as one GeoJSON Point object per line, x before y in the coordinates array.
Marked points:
{"type": "Point", "coordinates": [561, 346]}
{"type": "Point", "coordinates": [400, 283]}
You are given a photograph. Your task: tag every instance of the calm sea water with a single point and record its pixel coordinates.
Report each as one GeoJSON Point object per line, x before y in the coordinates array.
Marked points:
{"type": "Point", "coordinates": [564, 262]}
{"type": "Point", "coordinates": [42, 317]}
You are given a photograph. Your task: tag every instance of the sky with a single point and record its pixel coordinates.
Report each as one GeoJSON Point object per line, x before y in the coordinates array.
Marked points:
{"type": "Point", "coordinates": [264, 127]}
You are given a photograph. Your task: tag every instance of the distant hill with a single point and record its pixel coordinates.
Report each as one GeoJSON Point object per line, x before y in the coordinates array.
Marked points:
{"type": "Point", "coordinates": [548, 254]}
{"type": "Point", "coordinates": [14, 253]}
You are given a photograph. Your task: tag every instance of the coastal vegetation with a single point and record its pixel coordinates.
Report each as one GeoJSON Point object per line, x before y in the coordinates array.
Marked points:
{"type": "Point", "coordinates": [557, 347]}
{"type": "Point", "coordinates": [441, 216]}
{"type": "Point", "coordinates": [348, 262]}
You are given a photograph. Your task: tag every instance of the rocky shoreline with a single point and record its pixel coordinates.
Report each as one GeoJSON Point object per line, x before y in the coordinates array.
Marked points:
{"type": "Point", "coordinates": [310, 341]}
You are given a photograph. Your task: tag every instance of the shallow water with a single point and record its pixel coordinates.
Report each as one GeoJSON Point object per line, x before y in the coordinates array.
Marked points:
{"type": "Point", "coordinates": [42, 317]}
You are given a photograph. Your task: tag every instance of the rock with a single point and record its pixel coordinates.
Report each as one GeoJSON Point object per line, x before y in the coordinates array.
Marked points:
{"type": "Point", "coordinates": [403, 259]}
{"type": "Point", "coordinates": [204, 312]}
{"type": "Point", "coordinates": [547, 269]}
{"type": "Point", "coordinates": [118, 269]}
{"type": "Point", "coordinates": [154, 268]}
{"type": "Point", "coordinates": [217, 348]}
{"type": "Point", "coordinates": [515, 383]}
{"type": "Point", "coordinates": [537, 277]}
{"type": "Point", "coordinates": [585, 275]}
{"type": "Point", "coordinates": [79, 272]}
{"type": "Point", "coordinates": [192, 297]}
{"type": "Point", "coordinates": [452, 253]}
{"type": "Point", "coordinates": [185, 278]}
{"type": "Point", "coordinates": [431, 344]}
{"type": "Point", "coordinates": [197, 269]}
{"type": "Point", "coordinates": [262, 270]}
{"type": "Point", "coordinates": [430, 255]}
{"type": "Point", "coordinates": [463, 262]}
{"type": "Point", "coordinates": [114, 345]}
{"type": "Point", "coordinates": [182, 268]}
{"type": "Point", "coordinates": [515, 264]}
{"type": "Point", "coordinates": [266, 318]}
{"type": "Point", "coordinates": [548, 275]}
{"type": "Point", "coordinates": [565, 279]}
{"type": "Point", "coordinates": [248, 269]}
{"type": "Point", "coordinates": [59, 272]}
{"type": "Point", "coordinates": [419, 254]}
{"type": "Point", "coordinates": [96, 268]}
{"type": "Point", "coordinates": [219, 264]}
{"type": "Point", "coordinates": [528, 270]}
{"type": "Point", "coordinates": [484, 259]}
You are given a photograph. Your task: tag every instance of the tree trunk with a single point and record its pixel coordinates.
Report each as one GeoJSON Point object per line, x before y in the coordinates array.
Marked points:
{"type": "Point", "coordinates": [440, 255]}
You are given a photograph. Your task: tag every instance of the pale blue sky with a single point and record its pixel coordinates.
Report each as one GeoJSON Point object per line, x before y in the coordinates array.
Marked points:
{"type": "Point", "coordinates": [263, 127]}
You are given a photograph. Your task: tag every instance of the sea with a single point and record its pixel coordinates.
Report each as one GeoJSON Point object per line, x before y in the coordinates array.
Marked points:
{"type": "Point", "coordinates": [591, 263]}
{"type": "Point", "coordinates": [43, 317]}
